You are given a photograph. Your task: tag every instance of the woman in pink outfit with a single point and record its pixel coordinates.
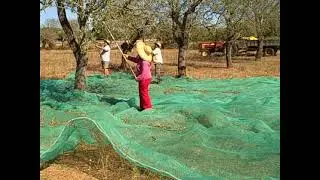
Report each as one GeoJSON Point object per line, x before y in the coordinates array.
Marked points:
{"type": "Point", "coordinates": [143, 61]}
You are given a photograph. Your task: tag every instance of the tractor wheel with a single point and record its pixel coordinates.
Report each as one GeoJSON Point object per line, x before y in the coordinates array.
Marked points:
{"type": "Point", "coordinates": [204, 53]}
{"type": "Point", "coordinates": [275, 52]}
{"type": "Point", "coordinates": [269, 51]}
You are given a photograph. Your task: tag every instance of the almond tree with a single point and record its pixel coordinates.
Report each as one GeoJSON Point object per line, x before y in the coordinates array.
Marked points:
{"type": "Point", "coordinates": [229, 15]}
{"type": "Point", "coordinates": [128, 20]}
{"type": "Point", "coordinates": [181, 13]}
{"type": "Point", "coordinates": [261, 13]}
{"type": "Point", "coordinates": [85, 10]}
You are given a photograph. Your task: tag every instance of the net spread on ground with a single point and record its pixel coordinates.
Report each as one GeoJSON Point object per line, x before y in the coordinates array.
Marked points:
{"type": "Point", "coordinates": [198, 129]}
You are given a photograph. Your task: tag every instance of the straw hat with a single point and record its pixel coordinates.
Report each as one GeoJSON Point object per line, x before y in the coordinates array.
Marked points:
{"type": "Point", "coordinates": [107, 41]}
{"type": "Point", "coordinates": [158, 44]}
{"type": "Point", "coordinates": [144, 51]}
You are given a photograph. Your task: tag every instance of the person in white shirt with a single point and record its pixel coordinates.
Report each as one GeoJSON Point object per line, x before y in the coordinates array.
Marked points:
{"type": "Point", "coordinates": [105, 56]}
{"type": "Point", "coordinates": [157, 58]}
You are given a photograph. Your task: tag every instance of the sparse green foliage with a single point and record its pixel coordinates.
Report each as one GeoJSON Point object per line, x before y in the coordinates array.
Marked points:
{"type": "Point", "coordinates": [174, 22]}
{"type": "Point", "coordinates": [78, 39]}
{"type": "Point", "coordinates": [48, 36]}
{"type": "Point", "coordinates": [266, 17]}
{"type": "Point", "coordinates": [183, 14]}
{"type": "Point", "coordinates": [228, 14]}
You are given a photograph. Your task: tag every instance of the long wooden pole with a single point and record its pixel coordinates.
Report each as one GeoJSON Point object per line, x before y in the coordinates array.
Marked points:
{"type": "Point", "coordinates": [122, 53]}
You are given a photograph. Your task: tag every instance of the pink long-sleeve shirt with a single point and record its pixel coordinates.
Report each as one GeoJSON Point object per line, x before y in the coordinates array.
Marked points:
{"type": "Point", "coordinates": [143, 68]}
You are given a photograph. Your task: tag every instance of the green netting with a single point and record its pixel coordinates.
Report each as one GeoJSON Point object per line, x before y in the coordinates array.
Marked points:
{"type": "Point", "coordinates": [198, 129]}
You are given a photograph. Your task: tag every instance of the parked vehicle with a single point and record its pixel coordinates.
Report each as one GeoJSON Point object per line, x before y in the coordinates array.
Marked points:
{"type": "Point", "coordinates": [207, 48]}
{"type": "Point", "coordinates": [270, 47]}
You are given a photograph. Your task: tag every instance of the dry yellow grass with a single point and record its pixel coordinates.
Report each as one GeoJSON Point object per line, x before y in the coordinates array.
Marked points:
{"type": "Point", "coordinates": [92, 163]}
{"type": "Point", "coordinates": [60, 63]}
{"type": "Point", "coordinates": [63, 172]}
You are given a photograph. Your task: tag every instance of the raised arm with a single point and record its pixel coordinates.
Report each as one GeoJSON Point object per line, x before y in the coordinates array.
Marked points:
{"type": "Point", "coordinates": [99, 47]}
{"type": "Point", "coordinates": [133, 59]}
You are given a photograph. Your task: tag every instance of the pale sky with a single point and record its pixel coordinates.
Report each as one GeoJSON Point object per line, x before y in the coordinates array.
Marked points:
{"type": "Point", "coordinates": [51, 13]}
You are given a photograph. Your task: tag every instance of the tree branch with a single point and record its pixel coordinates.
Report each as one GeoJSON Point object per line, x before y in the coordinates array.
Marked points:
{"type": "Point", "coordinates": [66, 25]}
{"type": "Point", "coordinates": [125, 6]}
{"type": "Point", "coordinates": [192, 7]}
{"type": "Point", "coordinates": [190, 10]}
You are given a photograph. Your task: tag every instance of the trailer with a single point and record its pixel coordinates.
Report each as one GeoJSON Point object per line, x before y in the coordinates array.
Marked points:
{"type": "Point", "coordinates": [270, 47]}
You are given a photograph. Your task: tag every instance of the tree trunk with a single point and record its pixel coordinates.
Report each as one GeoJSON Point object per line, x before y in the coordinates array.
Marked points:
{"type": "Point", "coordinates": [260, 48]}
{"type": "Point", "coordinates": [52, 45]}
{"type": "Point", "coordinates": [79, 54]}
{"type": "Point", "coordinates": [181, 59]}
{"type": "Point", "coordinates": [82, 61]}
{"type": "Point", "coordinates": [228, 53]}
{"type": "Point", "coordinates": [44, 43]}
{"type": "Point", "coordinates": [62, 43]}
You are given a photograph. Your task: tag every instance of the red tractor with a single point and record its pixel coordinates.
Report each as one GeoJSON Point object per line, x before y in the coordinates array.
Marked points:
{"type": "Point", "coordinates": [207, 48]}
